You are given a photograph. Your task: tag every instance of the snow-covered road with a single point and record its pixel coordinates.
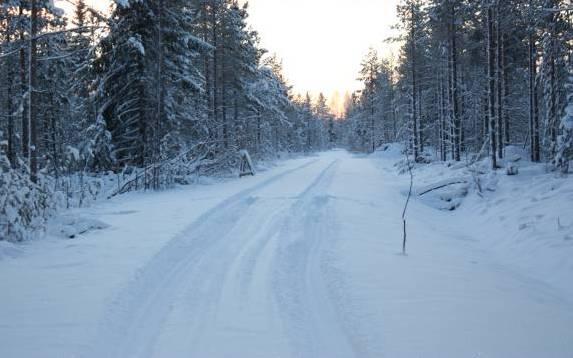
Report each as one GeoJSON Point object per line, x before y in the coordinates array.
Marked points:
{"type": "Point", "coordinates": [301, 261]}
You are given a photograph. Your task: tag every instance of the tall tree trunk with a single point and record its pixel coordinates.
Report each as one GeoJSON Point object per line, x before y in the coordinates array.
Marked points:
{"type": "Point", "coordinates": [485, 91]}
{"type": "Point", "coordinates": [491, 89]}
{"type": "Point", "coordinates": [450, 122]}
{"type": "Point", "coordinates": [485, 105]}
{"type": "Point", "coordinates": [533, 102]}
{"type": "Point", "coordinates": [442, 104]}
{"type": "Point", "coordinates": [238, 135]}
{"type": "Point", "coordinates": [259, 132]}
{"type": "Point", "coordinates": [393, 109]}
{"type": "Point", "coordinates": [420, 123]}
{"type": "Point", "coordinates": [24, 89]}
{"type": "Point", "coordinates": [457, 130]}
{"type": "Point", "coordinates": [51, 135]}
{"type": "Point", "coordinates": [32, 105]}
{"type": "Point", "coordinates": [160, 97]}
{"type": "Point", "coordinates": [11, 150]}
{"type": "Point", "coordinates": [553, 90]}
{"type": "Point", "coordinates": [207, 64]}
{"type": "Point", "coordinates": [462, 116]}
{"type": "Point", "coordinates": [372, 126]}
{"type": "Point", "coordinates": [415, 134]}
{"type": "Point", "coordinates": [505, 85]}
{"type": "Point", "coordinates": [215, 68]}
{"type": "Point", "coordinates": [11, 147]}
{"type": "Point", "coordinates": [446, 89]}
{"type": "Point", "coordinates": [553, 121]}
{"type": "Point", "coordinates": [499, 80]}
{"type": "Point", "coordinates": [226, 137]}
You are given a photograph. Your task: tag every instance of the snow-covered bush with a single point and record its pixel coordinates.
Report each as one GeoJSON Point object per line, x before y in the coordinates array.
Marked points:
{"type": "Point", "coordinates": [511, 169]}
{"type": "Point", "coordinates": [24, 207]}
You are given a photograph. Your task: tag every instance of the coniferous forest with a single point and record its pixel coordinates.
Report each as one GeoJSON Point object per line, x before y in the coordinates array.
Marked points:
{"type": "Point", "coordinates": [169, 187]}
{"type": "Point", "coordinates": [157, 91]}
{"type": "Point", "coordinates": [154, 93]}
{"type": "Point", "coordinates": [471, 78]}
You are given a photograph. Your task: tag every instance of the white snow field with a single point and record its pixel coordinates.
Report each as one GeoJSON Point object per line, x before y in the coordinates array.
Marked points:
{"type": "Point", "coordinates": [303, 260]}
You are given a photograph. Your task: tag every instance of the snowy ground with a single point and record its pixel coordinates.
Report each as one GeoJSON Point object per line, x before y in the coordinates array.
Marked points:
{"type": "Point", "coordinates": [300, 261]}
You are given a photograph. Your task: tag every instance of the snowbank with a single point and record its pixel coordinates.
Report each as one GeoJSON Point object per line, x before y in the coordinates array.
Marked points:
{"type": "Point", "coordinates": [524, 220]}
{"type": "Point", "coordinates": [9, 250]}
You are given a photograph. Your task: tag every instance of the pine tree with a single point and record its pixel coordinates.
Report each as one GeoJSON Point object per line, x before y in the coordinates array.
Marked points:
{"type": "Point", "coordinates": [149, 79]}
{"type": "Point", "coordinates": [410, 14]}
{"type": "Point", "coordinates": [564, 151]}
{"type": "Point", "coordinates": [531, 16]}
{"type": "Point", "coordinates": [370, 69]}
{"type": "Point", "coordinates": [24, 207]}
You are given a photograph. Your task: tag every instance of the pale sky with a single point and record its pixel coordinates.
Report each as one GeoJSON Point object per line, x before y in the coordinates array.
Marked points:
{"type": "Point", "coordinates": [321, 42]}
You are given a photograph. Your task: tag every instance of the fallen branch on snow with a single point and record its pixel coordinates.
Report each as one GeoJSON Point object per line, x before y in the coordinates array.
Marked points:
{"type": "Point", "coordinates": [441, 185]}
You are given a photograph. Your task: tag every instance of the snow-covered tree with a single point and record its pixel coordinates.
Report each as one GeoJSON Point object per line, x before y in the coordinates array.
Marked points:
{"type": "Point", "coordinates": [564, 152]}
{"type": "Point", "coordinates": [24, 207]}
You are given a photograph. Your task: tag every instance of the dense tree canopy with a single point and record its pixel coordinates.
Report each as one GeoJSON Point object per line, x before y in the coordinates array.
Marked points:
{"type": "Point", "coordinates": [150, 91]}
{"type": "Point", "coordinates": [472, 78]}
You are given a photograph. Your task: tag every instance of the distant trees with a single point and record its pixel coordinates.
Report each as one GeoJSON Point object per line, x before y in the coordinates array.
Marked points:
{"type": "Point", "coordinates": [370, 118]}
{"type": "Point", "coordinates": [369, 75]}
{"type": "Point", "coordinates": [475, 77]}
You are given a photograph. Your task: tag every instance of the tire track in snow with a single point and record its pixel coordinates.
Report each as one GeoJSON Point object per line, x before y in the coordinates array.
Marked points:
{"type": "Point", "coordinates": [242, 311]}
{"type": "Point", "coordinates": [134, 319]}
{"type": "Point", "coordinates": [309, 314]}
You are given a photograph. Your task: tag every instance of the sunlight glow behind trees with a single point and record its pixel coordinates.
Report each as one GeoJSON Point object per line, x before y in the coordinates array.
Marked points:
{"type": "Point", "coordinates": [321, 42]}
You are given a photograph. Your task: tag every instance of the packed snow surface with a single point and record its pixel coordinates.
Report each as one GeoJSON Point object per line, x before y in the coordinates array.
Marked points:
{"type": "Point", "coordinates": [303, 260]}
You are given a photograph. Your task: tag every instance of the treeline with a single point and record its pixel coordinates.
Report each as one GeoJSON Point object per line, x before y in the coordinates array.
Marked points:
{"type": "Point", "coordinates": [472, 78]}
{"type": "Point", "coordinates": [154, 91]}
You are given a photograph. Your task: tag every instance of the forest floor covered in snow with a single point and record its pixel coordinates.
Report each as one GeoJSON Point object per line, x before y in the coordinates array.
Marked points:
{"type": "Point", "coordinates": [304, 260]}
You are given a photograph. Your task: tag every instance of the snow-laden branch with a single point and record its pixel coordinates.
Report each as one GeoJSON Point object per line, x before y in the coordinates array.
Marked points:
{"type": "Point", "coordinates": [562, 9]}
{"type": "Point", "coordinates": [23, 43]}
